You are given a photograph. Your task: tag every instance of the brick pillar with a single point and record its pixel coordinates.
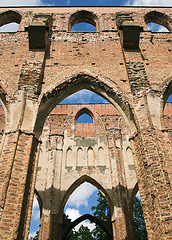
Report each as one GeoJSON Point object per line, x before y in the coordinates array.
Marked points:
{"type": "Point", "coordinates": [20, 175]}
{"type": "Point", "coordinates": [122, 224]}
{"type": "Point", "coordinates": [152, 154]}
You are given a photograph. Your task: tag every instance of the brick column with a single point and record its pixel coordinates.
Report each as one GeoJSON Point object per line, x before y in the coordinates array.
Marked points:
{"type": "Point", "coordinates": [152, 151]}
{"type": "Point", "coordinates": [17, 163]}
{"type": "Point", "coordinates": [16, 200]}
{"type": "Point", "coordinates": [122, 224]}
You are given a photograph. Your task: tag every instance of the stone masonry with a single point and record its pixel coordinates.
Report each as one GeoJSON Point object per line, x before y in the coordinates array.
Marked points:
{"type": "Point", "coordinates": [128, 145]}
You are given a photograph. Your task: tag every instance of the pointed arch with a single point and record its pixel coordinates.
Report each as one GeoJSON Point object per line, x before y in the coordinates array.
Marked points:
{"type": "Point", "coordinates": [83, 16]}
{"type": "Point", "coordinates": [84, 80]}
{"type": "Point", "coordinates": [84, 110]}
{"type": "Point", "coordinates": [159, 18]}
{"type": "Point", "coordinates": [80, 157]}
{"type": "Point", "coordinates": [90, 157]}
{"type": "Point", "coordinates": [101, 157]}
{"type": "Point", "coordinates": [78, 182]}
{"type": "Point", "coordinates": [9, 17]}
{"type": "Point", "coordinates": [69, 157]}
{"type": "Point", "coordinates": [102, 224]}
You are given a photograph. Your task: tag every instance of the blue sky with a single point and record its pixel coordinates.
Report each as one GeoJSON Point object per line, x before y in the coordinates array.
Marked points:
{"type": "Point", "coordinates": [86, 3]}
{"type": "Point", "coordinates": [79, 206]}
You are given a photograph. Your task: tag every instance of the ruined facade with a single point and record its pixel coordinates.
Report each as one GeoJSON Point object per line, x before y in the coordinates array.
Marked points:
{"type": "Point", "coordinates": [128, 144]}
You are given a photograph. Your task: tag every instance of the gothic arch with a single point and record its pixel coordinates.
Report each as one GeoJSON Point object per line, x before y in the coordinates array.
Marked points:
{"type": "Point", "coordinates": [83, 16]}
{"type": "Point", "coordinates": [9, 16]}
{"type": "Point", "coordinates": [82, 80]}
{"type": "Point", "coordinates": [159, 18]}
{"type": "Point", "coordinates": [101, 224]}
{"type": "Point", "coordinates": [78, 182]}
{"type": "Point", "coordinates": [84, 110]}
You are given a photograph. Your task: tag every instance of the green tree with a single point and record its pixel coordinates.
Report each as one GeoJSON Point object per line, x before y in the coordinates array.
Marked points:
{"type": "Point", "coordinates": [101, 211]}
{"type": "Point", "coordinates": [83, 233]}
{"type": "Point", "coordinates": [139, 222]}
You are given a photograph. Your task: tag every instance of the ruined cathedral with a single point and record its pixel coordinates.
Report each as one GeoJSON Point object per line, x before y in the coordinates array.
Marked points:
{"type": "Point", "coordinates": [127, 146]}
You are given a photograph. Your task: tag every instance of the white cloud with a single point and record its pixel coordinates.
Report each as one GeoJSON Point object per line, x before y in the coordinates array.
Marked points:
{"type": "Point", "coordinates": [74, 214]}
{"type": "Point", "coordinates": [35, 210]}
{"type": "Point", "coordinates": [35, 203]}
{"type": "Point", "coordinates": [10, 27]}
{"type": "Point", "coordinates": [81, 195]}
{"type": "Point", "coordinates": [162, 29]}
{"type": "Point", "coordinates": [156, 27]}
{"type": "Point", "coordinates": [67, 2]}
{"type": "Point", "coordinates": [163, 3]}
{"type": "Point", "coordinates": [32, 234]}
{"type": "Point", "coordinates": [16, 3]}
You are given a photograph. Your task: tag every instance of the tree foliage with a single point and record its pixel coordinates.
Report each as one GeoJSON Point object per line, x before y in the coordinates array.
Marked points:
{"type": "Point", "coordinates": [83, 233]}
{"type": "Point", "coordinates": [139, 223]}
{"type": "Point", "coordinates": [101, 211]}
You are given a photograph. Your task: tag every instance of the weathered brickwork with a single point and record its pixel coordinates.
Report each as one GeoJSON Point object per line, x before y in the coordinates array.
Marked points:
{"type": "Point", "coordinates": [128, 145]}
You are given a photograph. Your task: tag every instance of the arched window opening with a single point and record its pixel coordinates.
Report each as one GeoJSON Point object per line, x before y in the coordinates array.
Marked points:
{"type": "Point", "coordinates": [35, 219]}
{"type": "Point", "coordinates": [9, 27]}
{"type": "Point", "coordinates": [83, 21]}
{"type": "Point", "coordinates": [9, 21]}
{"type": "Point", "coordinates": [84, 203]}
{"type": "Point", "coordinates": [84, 118]}
{"type": "Point", "coordinates": [157, 22]}
{"type": "Point", "coordinates": [154, 27]}
{"type": "Point", "coordinates": [83, 27]}
{"type": "Point", "coordinates": [138, 218]}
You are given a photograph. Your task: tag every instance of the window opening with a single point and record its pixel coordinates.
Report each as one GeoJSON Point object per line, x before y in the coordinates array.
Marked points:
{"type": "Point", "coordinates": [154, 27]}
{"type": "Point", "coordinates": [35, 219]}
{"type": "Point", "coordinates": [9, 27]}
{"type": "Point", "coordinates": [83, 27]}
{"type": "Point", "coordinates": [138, 217]}
{"type": "Point", "coordinates": [86, 199]}
{"type": "Point", "coordinates": [84, 118]}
